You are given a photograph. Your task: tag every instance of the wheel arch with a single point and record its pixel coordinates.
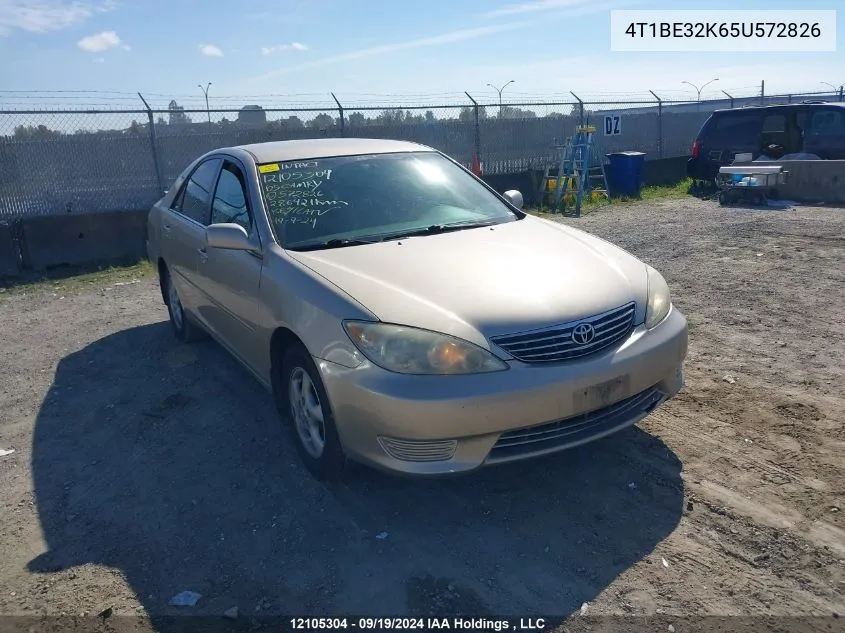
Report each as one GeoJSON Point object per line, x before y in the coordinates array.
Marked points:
{"type": "Point", "coordinates": [282, 339]}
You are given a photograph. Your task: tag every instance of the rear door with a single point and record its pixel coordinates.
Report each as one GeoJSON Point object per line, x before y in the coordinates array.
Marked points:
{"type": "Point", "coordinates": [825, 133]}
{"type": "Point", "coordinates": [773, 132]}
{"type": "Point", "coordinates": [728, 134]}
{"type": "Point", "coordinates": [183, 231]}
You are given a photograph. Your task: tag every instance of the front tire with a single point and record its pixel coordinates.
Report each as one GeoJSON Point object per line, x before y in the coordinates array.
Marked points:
{"type": "Point", "coordinates": [184, 329]}
{"type": "Point", "coordinates": [303, 400]}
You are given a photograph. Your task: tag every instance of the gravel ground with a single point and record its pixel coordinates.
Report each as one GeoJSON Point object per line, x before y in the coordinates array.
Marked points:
{"type": "Point", "coordinates": [143, 468]}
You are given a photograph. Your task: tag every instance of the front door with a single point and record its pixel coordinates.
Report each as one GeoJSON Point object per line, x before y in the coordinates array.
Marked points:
{"type": "Point", "coordinates": [183, 232]}
{"type": "Point", "coordinates": [826, 132]}
{"type": "Point", "coordinates": [230, 279]}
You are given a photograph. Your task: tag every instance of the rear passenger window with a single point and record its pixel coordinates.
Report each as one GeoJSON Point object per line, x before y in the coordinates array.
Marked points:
{"type": "Point", "coordinates": [774, 123]}
{"type": "Point", "coordinates": [736, 129]}
{"type": "Point", "coordinates": [180, 196]}
{"type": "Point", "coordinates": [197, 192]}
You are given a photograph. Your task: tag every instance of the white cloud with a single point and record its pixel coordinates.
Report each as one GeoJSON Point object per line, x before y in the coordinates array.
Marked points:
{"type": "Point", "coordinates": [571, 9]}
{"type": "Point", "coordinates": [530, 7]}
{"type": "Point", "coordinates": [44, 16]}
{"type": "Point", "coordinates": [384, 49]}
{"type": "Point", "coordinates": [210, 50]}
{"type": "Point", "coordinates": [99, 42]}
{"type": "Point", "coordinates": [293, 46]}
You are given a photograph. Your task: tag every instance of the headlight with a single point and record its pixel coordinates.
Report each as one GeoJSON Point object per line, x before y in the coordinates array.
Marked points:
{"type": "Point", "coordinates": [659, 301]}
{"type": "Point", "coordinates": [410, 350]}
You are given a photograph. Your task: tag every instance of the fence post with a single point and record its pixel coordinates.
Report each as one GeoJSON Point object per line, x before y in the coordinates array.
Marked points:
{"type": "Point", "coordinates": [477, 128]}
{"type": "Point", "coordinates": [153, 145]}
{"type": "Point", "coordinates": [342, 119]}
{"type": "Point", "coordinates": [580, 109]}
{"type": "Point", "coordinates": [729, 97]}
{"type": "Point", "coordinates": [763, 92]}
{"type": "Point", "coordinates": [841, 89]}
{"type": "Point", "coordinates": [659, 124]}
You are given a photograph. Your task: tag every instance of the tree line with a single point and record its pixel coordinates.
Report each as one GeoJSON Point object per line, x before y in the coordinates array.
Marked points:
{"type": "Point", "coordinates": [255, 115]}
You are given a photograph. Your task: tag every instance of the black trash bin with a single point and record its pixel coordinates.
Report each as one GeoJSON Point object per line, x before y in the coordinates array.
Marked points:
{"type": "Point", "coordinates": [626, 172]}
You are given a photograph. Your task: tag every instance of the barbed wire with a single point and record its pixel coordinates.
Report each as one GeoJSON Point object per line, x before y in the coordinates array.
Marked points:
{"type": "Point", "coordinates": [67, 100]}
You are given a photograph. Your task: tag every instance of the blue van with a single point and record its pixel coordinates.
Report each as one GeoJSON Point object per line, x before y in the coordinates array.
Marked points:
{"type": "Point", "coordinates": [775, 131]}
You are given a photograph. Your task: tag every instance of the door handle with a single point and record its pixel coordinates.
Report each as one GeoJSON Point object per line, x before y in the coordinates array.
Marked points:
{"type": "Point", "coordinates": [165, 228]}
{"type": "Point", "coordinates": [203, 254]}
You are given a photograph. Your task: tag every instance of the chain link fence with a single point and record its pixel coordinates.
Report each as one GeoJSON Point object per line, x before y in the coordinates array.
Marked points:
{"type": "Point", "coordinates": [57, 162]}
{"type": "Point", "coordinates": [60, 162]}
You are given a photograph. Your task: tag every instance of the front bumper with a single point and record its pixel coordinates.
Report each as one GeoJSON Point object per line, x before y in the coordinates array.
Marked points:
{"type": "Point", "coordinates": [429, 425]}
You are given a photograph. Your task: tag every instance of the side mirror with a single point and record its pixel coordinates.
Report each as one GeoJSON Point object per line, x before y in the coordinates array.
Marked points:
{"type": "Point", "coordinates": [231, 237]}
{"type": "Point", "coordinates": [514, 197]}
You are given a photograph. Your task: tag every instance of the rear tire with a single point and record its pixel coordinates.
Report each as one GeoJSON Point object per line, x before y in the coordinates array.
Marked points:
{"type": "Point", "coordinates": [304, 404]}
{"type": "Point", "coordinates": [184, 328]}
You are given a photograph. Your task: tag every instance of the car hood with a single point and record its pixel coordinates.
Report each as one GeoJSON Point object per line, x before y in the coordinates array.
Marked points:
{"type": "Point", "coordinates": [483, 282]}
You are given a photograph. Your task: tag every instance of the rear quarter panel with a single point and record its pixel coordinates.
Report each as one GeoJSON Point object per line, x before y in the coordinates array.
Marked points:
{"type": "Point", "coordinates": [724, 135]}
{"type": "Point", "coordinates": [153, 233]}
{"type": "Point", "coordinates": [154, 217]}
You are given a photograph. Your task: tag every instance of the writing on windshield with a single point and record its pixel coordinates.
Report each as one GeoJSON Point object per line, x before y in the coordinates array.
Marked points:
{"type": "Point", "coordinates": [295, 194]}
{"type": "Point", "coordinates": [364, 197]}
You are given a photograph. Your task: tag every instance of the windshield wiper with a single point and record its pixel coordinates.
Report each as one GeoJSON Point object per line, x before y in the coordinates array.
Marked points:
{"type": "Point", "coordinates": [333, 243]}
{"type": "Point", "coordinates": [436, 229]}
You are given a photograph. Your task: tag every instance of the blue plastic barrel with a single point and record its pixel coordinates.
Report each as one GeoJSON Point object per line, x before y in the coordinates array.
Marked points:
{"type": "Point", "coordinates": [626, 172]}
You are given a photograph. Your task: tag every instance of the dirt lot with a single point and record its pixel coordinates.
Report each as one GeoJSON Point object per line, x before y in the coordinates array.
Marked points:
{"type": "Point", "coordinates": [143, 467]}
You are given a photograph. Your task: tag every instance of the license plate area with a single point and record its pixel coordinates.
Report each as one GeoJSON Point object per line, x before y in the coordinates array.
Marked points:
{"type": "Point", "coordinates": [602, 394]}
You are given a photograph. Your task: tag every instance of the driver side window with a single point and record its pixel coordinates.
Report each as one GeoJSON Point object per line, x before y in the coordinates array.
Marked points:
{"type": "Point", "coordinates": [231, 204]}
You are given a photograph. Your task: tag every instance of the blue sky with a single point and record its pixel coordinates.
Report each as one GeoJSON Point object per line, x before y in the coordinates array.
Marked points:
{"type": "Point", "coordinates": [368, 50]}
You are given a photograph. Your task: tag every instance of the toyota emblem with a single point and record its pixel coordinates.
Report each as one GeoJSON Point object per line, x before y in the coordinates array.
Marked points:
{"type": "Point", "coordinates": [583, 333]}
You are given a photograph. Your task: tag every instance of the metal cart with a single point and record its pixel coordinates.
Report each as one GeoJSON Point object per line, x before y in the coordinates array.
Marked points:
{"type": "Point", "coordinates": [754, 183]}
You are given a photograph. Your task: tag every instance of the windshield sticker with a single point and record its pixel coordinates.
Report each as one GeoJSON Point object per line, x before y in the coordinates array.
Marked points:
{"type": "Point", "coordinates": [305, 165]}
{"type": "Point", "coordinates": [265, 169]}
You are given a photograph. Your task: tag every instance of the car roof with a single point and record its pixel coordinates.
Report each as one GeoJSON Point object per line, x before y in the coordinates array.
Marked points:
{"type": "Point", "coordinates": [278, 151]}
{"type": "Point", "coordinates": [752, 108]}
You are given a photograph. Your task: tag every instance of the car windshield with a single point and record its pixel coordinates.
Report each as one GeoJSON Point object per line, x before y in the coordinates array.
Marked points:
{"type": "Point", "coordinates": [352, 200]}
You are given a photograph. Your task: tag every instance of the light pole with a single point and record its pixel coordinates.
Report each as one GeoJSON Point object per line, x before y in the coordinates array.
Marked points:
{"type": "Point", "coordinates": [698, 90]}
{"type": "Point", "coordinates": [499, 90]}
{"type": "Point", "coordinates": [838, 89]}
{"type": "Point", "coordinates": [205, 92]}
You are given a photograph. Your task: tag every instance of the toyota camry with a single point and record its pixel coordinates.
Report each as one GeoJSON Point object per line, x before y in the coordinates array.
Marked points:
{"type": "Point", "coordinates": [404, 314]}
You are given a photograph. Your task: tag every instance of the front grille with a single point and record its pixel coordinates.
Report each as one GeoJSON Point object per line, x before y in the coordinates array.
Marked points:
{"type": "Point", "coordinates": [419, 450]}
{"type": "Point", "coordinates": [575, 430]}
{"type": "Point", "coordinates": [556, 343]}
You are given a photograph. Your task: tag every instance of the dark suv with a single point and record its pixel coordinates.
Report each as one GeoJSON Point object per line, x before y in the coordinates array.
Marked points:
{"type": "Point", "coordinates": [812, 128]}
